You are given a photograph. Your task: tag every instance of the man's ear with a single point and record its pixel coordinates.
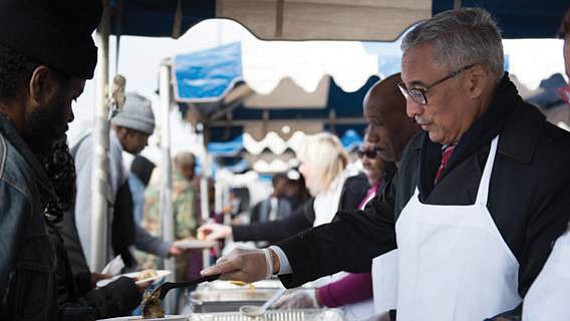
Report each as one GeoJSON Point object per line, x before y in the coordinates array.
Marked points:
{"type": "Point", "coordinates": [478, 80]}
{"type": "Point", "coordinates": [43, 84]}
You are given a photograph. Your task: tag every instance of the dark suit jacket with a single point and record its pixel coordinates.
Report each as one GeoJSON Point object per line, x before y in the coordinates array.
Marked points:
{"type": "Point", "coordinates": [353, 191]}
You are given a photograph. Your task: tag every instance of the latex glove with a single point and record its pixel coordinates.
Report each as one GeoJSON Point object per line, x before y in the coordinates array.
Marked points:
{"type": "Point", "coordinates": [214, 231]}
{"type": "Point", "coordinates": [247, 265]}
{"type": "Point", "coordinates": [298, 299]}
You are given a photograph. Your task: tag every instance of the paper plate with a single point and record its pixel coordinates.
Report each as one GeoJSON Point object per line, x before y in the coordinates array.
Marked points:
{"type": "Point", "coordinates": [133, 275]}
{"type": "Point", "coordinates": [194, 244]}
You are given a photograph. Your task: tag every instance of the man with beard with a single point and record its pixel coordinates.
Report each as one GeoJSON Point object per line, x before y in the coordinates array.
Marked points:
{"type": "Point", "coordinates": [46, 54]}
{"type": "Point", "coordinates": [470, 236]}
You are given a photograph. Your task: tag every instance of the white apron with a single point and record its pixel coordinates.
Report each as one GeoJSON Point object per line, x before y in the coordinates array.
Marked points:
{"type": "Point", "coordinates": [549, 296]}
{"type": "Point", "coordinates": [453, 263]}
{"type": "Point", "coordinates": [385, 281]}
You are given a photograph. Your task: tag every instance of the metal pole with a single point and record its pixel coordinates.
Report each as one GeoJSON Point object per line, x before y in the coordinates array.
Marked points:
{"type": "Point", "coordinates": [100, 169]}
{"type": "Point", "coordinates": [204, 199]}
{"type": "Point", "coordinates": [166, 212]}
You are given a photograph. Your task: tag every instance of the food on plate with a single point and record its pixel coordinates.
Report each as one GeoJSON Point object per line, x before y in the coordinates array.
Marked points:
{"type": "Point", "coordinates": [250, 286]}
{"type": "Point", "coordinates": [151, 307]}
{"type": "Point", "coordinates": [238, 283]}
{"type": "Point", "coordinates": [146, 274]}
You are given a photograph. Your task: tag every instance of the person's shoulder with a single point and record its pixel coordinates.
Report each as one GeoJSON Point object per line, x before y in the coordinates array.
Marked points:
{"type": "Point", "coordinates": [411, 153]}
{"type": "Point", "coordinates": [14, 170]}
{"type": "Point", "coordinates": [359, 179]}
{"type": "Point", "coordinates": [528, 135]}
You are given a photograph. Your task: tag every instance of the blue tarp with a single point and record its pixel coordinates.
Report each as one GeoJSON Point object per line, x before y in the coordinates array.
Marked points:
{"type": "Point", "coordinates": [207, 75]}
{"type": "Point", "coordinates": [226, 149]}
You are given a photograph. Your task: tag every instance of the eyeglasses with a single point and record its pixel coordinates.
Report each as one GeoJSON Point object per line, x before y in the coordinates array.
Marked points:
{"type": "Point", "coordinates": [418, 95]}
{"type": "Point", "coordinates": [370, 153]}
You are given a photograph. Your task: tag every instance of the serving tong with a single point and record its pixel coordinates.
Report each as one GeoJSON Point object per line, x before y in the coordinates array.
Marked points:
{"type": "Point", "coordinates": [161, 290]}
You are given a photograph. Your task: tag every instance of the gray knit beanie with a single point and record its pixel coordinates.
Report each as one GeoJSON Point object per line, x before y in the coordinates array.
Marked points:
{"type": "Point", "coordinates": [136, 114]}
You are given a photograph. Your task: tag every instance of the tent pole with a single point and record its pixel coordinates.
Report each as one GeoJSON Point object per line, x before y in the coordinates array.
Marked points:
{"type": "Point", "coordinates": [166, 212]}
{"type": "Point", "coordinates": [100, 166]}
{"type": "Point", "coordinates": [204, 199]}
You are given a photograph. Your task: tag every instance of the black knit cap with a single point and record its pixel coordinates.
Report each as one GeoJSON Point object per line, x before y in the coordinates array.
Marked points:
{"type": "Point", "coordinates": [56, 33]}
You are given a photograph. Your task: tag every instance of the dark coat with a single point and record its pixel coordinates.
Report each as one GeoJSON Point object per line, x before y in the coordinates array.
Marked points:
{"type": "Point", "coordinates": [78, 300]}
{"type": "Point", "coordinates": [261, 211]}
{"type": "Point", "coordinates": [528, 197]}
{"type": "Point", "coordinates": [353, 191]}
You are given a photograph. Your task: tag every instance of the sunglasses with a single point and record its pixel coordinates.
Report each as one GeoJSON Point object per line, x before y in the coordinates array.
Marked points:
{"type": "Point", "coordinates": [418, 95]}
{"type": "Point", "coordinates": [370, 153]}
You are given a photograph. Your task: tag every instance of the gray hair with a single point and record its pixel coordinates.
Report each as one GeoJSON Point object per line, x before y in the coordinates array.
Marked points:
{"type": "Point", "coordinates": [461, 37]}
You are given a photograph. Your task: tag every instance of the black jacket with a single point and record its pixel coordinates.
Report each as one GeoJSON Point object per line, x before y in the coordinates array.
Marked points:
{"type": "Point", "coordinates": [78, 300]}
{"type": "Point", "coordinates": [528, 197]}
{"type": "Point", "coordinates": [261, 211]}
{"type": "Point", "coordinates": [353, 191]}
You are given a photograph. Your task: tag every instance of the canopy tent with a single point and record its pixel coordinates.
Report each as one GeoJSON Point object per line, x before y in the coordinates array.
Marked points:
{"type": "Point", "coordinates": [219, 87]}
{"type": "Point", "coordinates": [334, 110]}
{"type": "Point", "coordinates": [208, 75]}
{"type": "Point", "coordinates": [374, 20]}
{"type": "Point", "coordinates": [273, 143]}
{"type": "Point", "coordinates": [272, 154]}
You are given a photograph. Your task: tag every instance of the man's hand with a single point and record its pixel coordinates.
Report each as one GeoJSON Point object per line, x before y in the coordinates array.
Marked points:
{"type": "Point", "coordinates": [213, 231]}
{"type": "Point", "coordinates": [247, 265]}
{"type": "Point", "coordinates": [96, 277]}
{"type": "Point", "coordinates": [174, 250]}
{"type": "Point", "coordinates": [298, 299]}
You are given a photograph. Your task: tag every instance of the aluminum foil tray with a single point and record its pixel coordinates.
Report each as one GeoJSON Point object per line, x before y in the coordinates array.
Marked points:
{"type": "Point", "coordinates": [227, 300]}
{"type": "Point", "coordinates": [284, 315]}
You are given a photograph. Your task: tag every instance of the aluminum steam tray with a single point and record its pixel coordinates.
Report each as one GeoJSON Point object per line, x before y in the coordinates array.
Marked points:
{"type": "Point", "coordinates": [279, 315]}
{"type": "Point", "coordinates": [228, 300]}
{"type": "Point", "coordinates": [223, 296]}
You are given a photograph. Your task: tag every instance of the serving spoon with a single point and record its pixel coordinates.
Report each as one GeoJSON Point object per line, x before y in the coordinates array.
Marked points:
{"type": "Point", "coordinates": [256, 311]}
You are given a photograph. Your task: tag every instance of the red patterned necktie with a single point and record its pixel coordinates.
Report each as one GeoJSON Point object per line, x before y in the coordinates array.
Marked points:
{"type": "Point", "coordinates": [445, 156]}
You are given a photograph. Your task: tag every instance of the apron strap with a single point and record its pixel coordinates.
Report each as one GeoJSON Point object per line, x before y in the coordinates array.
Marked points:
{"type": "Point", "coordinates": [483, 192]}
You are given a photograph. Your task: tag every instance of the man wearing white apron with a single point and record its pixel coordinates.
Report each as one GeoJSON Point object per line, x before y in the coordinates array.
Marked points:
{"type": "Point", "coordinates": [478, 198]}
